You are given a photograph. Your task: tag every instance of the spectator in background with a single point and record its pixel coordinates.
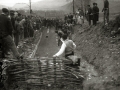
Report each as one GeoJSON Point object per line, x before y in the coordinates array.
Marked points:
{"type": "Point", "coordinates": [21, 23]}
{"type": "Point", "coordinates": [89, 14]}
{"type": "Point", "coordinates": [94, 11]}
{"type": "Point", "coordinates": [6, 29]}
{"type": "Point", "coordinates": [30, 26]}
{"type": "Point", "coordinates": [97, 12]}
{"type": "Point", "coordinates": [65, 18]}
{"type": "Point", "coordinates": [17, 31]}
{"type": "Point", "coordinates": [71, 18]}
{"type": "Point", "coordinates": [80, 12]}
{"type": "Point", "coordinates": [80, 18]}
{"type": "Point", "coordinates": [106, 10]}
{"type": "Point", "coordinates": [12, 19]}
{"type": "Point", "coordinates": [74, 19]}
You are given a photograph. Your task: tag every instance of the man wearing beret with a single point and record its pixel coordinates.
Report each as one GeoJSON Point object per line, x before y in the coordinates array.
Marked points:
{"type": "Point", "coordinates": [6, 29]}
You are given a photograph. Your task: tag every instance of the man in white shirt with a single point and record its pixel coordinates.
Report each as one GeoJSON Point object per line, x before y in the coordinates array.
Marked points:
{"type": "Point", "coordinates": [68, 47]}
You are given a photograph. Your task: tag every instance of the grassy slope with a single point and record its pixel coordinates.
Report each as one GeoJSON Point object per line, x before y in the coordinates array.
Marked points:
{"type": "Point", "coordinates": [100, 48]}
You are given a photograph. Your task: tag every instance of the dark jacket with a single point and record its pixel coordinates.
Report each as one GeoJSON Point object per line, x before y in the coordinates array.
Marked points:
{"type": "Point", "coordinates": [89, 11]}
{"type": "Point", "coordinates": [106, 4]}
{"type": "Point", "coordinates": [95, 10]}
{"type": "Point", "coordinates": [6, 27]}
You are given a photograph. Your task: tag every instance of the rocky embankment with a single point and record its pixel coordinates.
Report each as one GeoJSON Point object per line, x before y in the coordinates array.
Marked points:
{"type": "Point", "coordinates": [99, 46]}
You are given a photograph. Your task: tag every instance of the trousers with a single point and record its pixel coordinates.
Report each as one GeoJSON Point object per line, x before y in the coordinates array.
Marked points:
{"type": "Point", "coordinates": [9, 43]}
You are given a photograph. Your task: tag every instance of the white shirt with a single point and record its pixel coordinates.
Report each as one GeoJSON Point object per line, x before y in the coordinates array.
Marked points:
{"type": "Point", "coordinates": [62, 49]}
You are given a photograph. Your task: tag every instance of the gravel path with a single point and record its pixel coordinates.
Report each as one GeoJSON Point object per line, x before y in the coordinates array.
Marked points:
{"type": "Point", "coordinates": [48, 45]}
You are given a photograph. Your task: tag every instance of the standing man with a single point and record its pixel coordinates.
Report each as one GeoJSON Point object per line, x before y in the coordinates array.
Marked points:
{"type": "Point", "coordinates": [21, 23]}
{"type": "Point", "coordinates": [6, 29]}
{"type": "Point", "coordinates": [17, 31]}
{"type": "Point", "coordinates": [89, 14]}
{"type": "Point", "coordinates": [67, 48]}
{"type": "Point", "coordinates": [65, 18]}
{"type": "Point", "coordinates": [12, 19]}
{"type": "Point", "coordinates": [95, 10]}
{"type": "Point", "coordinates": [106, 11]}
{"type": "Point", "coordinates": [71, 18]}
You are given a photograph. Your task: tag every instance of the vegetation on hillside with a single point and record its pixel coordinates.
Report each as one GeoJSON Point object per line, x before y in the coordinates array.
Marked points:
{"type": "Point", "coordinates": [100, 46]}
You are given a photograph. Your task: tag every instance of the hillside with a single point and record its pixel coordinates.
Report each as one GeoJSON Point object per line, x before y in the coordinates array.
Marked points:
{"type": "Point", "coordinates": [100, 46]}
{"type": "Point", "coordinates": [44, 5]}
{"type": "Point", "coordinates": [19, 5]}
{"type": "Point", "coordinates": [68, 8]}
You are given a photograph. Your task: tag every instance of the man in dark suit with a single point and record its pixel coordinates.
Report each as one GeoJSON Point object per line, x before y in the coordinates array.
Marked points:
{"type": "Point", "coordinates": [12, 18]}
{"type": "Point", "coordinates": [94, 11]}
{"type": "Point", "coordinates": [6, 30]}
{"type": "Point", "coordinates": [97, 12]}
{"type": "Point", "coordinates": [89, 14]}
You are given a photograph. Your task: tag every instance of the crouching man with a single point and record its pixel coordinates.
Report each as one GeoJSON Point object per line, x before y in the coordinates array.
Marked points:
{"type": "Point", "coordinates": [67, 48]}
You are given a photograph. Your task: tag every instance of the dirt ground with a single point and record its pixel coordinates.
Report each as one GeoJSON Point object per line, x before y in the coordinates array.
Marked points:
{"type": "Point", "coordinates": [47, 48]}
{"type": "Point", "coordinates": [48, 44]}
{"type": "Point", "coordinates": [99, 49]}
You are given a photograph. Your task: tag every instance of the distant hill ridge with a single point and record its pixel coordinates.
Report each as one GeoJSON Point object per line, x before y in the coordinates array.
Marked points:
{"type": "Point", "coordinates": [45, 4]}
{"type": "Point", "coordinates": [3, 6]}
{"type": "Point", "coordinates": [67, 5]}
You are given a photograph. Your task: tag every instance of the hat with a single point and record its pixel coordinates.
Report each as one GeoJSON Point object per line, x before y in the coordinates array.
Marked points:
{"type": "Point", "coordinates": [5, 10]}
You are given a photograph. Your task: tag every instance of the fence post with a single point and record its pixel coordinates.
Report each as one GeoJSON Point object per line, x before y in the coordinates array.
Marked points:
{"type": "Point", "coordinates": [54, 61]}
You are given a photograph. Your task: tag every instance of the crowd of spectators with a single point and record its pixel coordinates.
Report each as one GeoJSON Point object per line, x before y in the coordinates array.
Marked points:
{"type": "Point", "coordinates": [24, 26]}
{"type": "Point", "coordinates": [15, 28]}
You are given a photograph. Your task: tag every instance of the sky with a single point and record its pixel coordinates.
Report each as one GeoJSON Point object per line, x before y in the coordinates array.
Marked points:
{"type": "Point", "coordinates": [13, 2]}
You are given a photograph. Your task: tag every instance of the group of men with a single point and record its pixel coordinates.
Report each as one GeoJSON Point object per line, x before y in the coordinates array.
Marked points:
{"type": "Point", "coordinates": [93, 13]}
{"type": "Point", "coordinates": [14, 28]}
{"type": "Point", "coordinates": [6, 31]}
{"type": "Point", "coordinates": [69, 18]}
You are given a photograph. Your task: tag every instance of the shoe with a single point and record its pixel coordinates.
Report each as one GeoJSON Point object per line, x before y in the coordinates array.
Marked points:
{"type": "Point", "coordinates": [20, 57]}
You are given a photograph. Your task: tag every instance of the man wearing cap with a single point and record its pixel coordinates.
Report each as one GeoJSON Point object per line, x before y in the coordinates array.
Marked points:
{"type": "Point", "coordinates": [6, 29]}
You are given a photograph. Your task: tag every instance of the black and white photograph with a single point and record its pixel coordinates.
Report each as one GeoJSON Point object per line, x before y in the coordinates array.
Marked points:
{"type": "Point", "coordinates": [59, 44]}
